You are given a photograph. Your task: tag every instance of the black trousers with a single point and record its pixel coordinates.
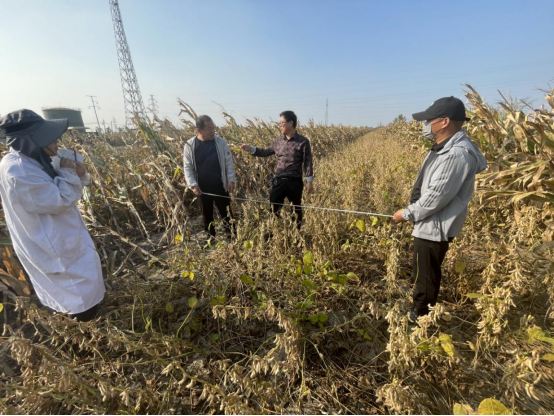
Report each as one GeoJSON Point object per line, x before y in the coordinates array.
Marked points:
{"type": "Point", "coordinates": [223, 206]}
{"type": "Point", "coordinates": [428, 258]}
{"type": "Point", "coordinates": [87, 315]}
{"type": "Point", "coordinates": [290, 188]}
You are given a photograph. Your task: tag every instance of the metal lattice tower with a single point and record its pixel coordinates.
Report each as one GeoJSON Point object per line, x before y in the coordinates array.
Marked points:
{"type": "Point", "coordinates": [131, 91]}
{"type": "Point", "coordinates": [154, 108]}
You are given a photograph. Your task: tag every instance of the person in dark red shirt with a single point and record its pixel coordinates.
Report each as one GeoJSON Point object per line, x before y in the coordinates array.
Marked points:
{"type": "Point", "coordinates": [294, 159]}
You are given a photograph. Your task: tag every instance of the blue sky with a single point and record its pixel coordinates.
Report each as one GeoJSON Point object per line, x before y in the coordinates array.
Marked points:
{"type": "Point", "coordinates": [372, 60]}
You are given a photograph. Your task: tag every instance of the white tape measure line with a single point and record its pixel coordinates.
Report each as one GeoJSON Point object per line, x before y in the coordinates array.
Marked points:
{"type": "Point", "coordinates": [302, 206]}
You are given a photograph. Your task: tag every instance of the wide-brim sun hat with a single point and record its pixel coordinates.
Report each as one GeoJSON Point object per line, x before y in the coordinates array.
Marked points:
{"type": "Point", "coordinates": [28, 123]}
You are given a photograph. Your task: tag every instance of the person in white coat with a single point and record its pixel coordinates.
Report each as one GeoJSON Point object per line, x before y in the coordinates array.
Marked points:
{"type": "Point", "coordinates": [45, 225]}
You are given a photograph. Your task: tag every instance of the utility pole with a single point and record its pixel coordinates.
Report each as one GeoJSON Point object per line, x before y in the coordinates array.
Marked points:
{"type": "Point", "coordinates": [153, 106]}
{"type": "Point", "coordinates": [131, 92]}
{"type": "Point", "coordinates": [326, 111]}
{"type": "Point", "coordinates": [104, 124]}
{"type": "Point", "coordinates": [94, 105]}
{"type": "Point", "coordinates": [114, 121]}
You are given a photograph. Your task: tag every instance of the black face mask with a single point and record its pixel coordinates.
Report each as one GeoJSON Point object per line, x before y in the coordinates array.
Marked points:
{"type": "Point", "coordinates": [25, 145]}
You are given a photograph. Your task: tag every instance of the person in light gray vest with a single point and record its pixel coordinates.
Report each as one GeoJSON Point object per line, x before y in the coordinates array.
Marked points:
{"type": "Point", "coordinates": [440, 196]}
{"type": "Point", "coordinates": [209, 168]}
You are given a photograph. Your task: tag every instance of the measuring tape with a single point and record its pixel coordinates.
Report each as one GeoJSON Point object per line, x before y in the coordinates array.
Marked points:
{"type": "Point", "coordinates": [301, 206]}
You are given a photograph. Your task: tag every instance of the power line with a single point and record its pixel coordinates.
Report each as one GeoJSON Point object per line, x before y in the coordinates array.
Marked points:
{"type": "Point", "coordinates": [378, 99]}
{"type": "Point", "coordinates": [312, 99]}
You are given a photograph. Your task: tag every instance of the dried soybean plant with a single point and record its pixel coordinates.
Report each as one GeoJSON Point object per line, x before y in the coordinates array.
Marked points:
{"type": "Point", "coordinates": [281, 321]}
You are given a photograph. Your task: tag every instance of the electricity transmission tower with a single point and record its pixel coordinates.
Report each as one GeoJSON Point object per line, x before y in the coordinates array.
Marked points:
{"type": "Point", "coordinates": [153, 106]}
{"type": "Point", "coordinates": [131, 92]}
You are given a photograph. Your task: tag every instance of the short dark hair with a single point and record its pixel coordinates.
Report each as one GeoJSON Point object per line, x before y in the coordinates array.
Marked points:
{"type": "Point", "coordinates": [202, 120]}
{"type": "Point", "coordinates": [289, 116]}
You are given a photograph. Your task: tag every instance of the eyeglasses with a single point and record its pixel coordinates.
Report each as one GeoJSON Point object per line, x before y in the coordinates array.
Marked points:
{"type": "Point", "coordinates": [283, 123]}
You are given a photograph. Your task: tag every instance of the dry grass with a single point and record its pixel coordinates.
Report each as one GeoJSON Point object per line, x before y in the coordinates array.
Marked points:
{"type": "Point", "coordinates": [310, 322]}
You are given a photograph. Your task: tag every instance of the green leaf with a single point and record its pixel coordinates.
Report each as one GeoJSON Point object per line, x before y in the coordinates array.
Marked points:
{"type": "Point", "coordinates": [326, 265]}
{"type": "Point", "coordinates": [332, 275]}
{"type": "Point", "coordinates": [246, 279]}
{"type": "Point", "coordinates": [215, 337]}
{"type": "Point", "coordinates": [474, 295]}
{"type": "Point", "coordinates": [308, 269]}
{"type": "Point", "coordinates": [314, 319]}
{"type": "Point", "coordinates": [185, 274]}
{"type": "Point", "coordinates": [364, 335]}
{"type": "Point", "coordinates": [308, 284]}
{"type": "Point", "coordinates": [305, 304]}
{"type": "Point", "coordinates": [424, 346]}
{"type": "Point", "coordinates": [1, 307]}
{"type": "Point", "coordinates": [191, 275]}
{"type": "Point", "coordinates": [460, 409]}
{"type": "Point", "coordinates": [308, 257]}
{"type": "Point", "coordinates": [353, 276]}
{"type": "Point", "coordinates": [545, 357]}
{"type": "Point", "coordinates": [323, 318]}
{"type": "Point", "coordinates": [192, 302]}
{"type": "Point", "coordinates": [177, 172]}
{"type": "Point", "coordinates": [459, 266]}
{"type": "Point", "coordinates": [298, 270]}
{"type": "Point", "coordinates": [492, 407]}
{"type": "Point", "coordinates": [248, 245]}
{"type": "Point", "coordinates": [169, 307]}
{"type": "Point", "coordinates": [374, 221]}
{"type": "Point", "coordinates": [342, 279]}
{"type": "Point", "coordinates": [360, 225]}
{"type": "Point", "coordinates": [537, 334]}
{"type": "Point", "coordinates": [447, 317]}
{"type": "Point", "coordinates": [446, 344]}
{"type": "Point", "coordinates": [220, 300]}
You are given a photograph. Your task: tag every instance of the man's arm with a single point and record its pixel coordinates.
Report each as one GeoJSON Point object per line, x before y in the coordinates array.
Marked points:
{"type": "Point", "coordinates": [257, 151]}
{"type": "Point", "coordinates": [308, 167]}
{"type": "Point", "coordinates": [189, 171]}
{"type": "Point", "coordinates": [40, 196]}
{"type": "Point", "coordinates": [308, 163]}
{"type": "Point", "coordinates": [230, 164]}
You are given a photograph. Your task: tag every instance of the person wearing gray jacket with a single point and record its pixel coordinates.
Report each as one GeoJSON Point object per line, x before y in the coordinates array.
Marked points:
{"type": "Point", "coordinates": [441, 193]}
{"type": "Point", "coordinates": [209, 169]}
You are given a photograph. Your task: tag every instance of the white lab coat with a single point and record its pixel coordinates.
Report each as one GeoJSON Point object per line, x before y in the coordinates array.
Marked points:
{"type": "Point", "coordinates": [49, 235]}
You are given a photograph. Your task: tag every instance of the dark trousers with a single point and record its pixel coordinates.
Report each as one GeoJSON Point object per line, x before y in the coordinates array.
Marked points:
{"type": "Point", "coordinates": [290, 188]}
{"type": "Point", "coordinates": [223, 206]}
{"type": "Point", "coordinates": [87, 315]}
{"type": "Point", "coordinates": [428, 258]}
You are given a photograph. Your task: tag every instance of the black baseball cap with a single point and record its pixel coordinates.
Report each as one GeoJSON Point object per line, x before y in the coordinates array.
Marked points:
{"type": "Point", "coordinates": [26, 122]}
{"type": "Point", "coordinates": [450, 107]}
